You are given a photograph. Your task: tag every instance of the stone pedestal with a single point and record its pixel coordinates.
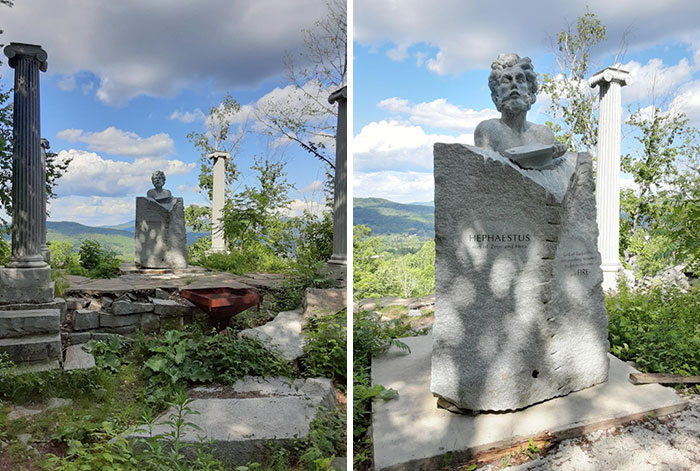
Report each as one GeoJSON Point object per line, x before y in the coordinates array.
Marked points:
{"type": "Point", "coordinates": [519, 311]}
{"type": "Point", "coordinates": [609, 81]}
{"type": "Point", "coordinates": [338, 263]}
{"type": "Point", "coordinates": [218, 244]}
{"type": "Point", "coordinates": [160, 237]}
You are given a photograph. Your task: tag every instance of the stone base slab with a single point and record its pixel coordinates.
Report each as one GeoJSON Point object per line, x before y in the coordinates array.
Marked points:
{"type": "Point", "coordinates": [23, 323]}
{"type": "Point", "coordinates": [411, 433]}
{"type": "Point", "coordinates": [39, 348]}
{"type": "Point", "coordinates": [26, 285]}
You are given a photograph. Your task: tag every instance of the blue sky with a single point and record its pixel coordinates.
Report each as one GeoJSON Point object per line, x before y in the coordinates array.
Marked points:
{"type": "Point", "coordinates": [128, 80]}
{"type": "Point", "coordinates": [421, 72]}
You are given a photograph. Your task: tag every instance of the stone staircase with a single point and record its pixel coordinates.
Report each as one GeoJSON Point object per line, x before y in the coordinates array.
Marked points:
{"type": "Point", "coordinates": [30, 334]}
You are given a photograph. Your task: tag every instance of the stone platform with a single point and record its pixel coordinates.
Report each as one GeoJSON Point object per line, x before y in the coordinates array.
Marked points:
{"type": "Point", "coordinates": [411, 433]}
{"type": "Point", "coordinates": [242, 420]}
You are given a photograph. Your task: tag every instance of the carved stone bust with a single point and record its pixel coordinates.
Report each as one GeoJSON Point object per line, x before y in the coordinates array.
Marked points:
{"type": "Point", "coordinates": [513, 85]}
{"type": "Point", "coordinates": [158, 193]}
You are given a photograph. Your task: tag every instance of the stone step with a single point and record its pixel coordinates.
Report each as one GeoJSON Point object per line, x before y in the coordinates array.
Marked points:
{"type": "Point", "coordinates": [24, 323]}
{"type": "Point", "coordinates": [57, 303]}
{"type": "Point", "coordinates": [32, 349]}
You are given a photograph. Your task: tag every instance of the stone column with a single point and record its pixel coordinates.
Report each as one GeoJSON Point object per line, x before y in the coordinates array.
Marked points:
{"type": "Point", "coordinates": [28, 172]}
{"type": "Point", "coordinates": [27, 277]}
{"type": "Point", "coordinates": [45, 252]}
{"type": "Point", "coordinates": [217, 201]}
{"type": "Point", "coordinates": [339, 259]}
{"type": "Point", "coordinates": [609, 81]}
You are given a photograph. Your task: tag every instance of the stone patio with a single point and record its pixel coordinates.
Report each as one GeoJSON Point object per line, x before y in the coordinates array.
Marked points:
{"type": "Point", "coordinates": [411, 433]}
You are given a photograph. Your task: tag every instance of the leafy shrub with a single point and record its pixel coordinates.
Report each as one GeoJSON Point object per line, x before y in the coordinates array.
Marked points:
{"type": "Point", "coordinates": [107, 352]}
{"type": "Point", "coordinates": [325, 350]}
{"type": "Point", "coordinates": [658, 328]}
{"type": "Point", "coordinates": [5, 251]}
{"type": "Point", "coordinates": [63, 256]}
{"type": "Point", "coordinates": [176, 359]}
{"type": "Point", "coordinates": [98, 262]}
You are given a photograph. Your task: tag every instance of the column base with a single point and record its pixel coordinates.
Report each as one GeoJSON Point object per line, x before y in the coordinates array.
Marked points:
{"type": "Point", "coordinates": [26, 285]}
{"type": "Point", "coordinates": [338, 269]}
{"type": "Point", "coordinates": [610, 273]}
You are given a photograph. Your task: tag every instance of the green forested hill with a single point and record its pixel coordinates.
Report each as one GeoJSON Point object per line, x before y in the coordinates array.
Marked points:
{"type": "Point", "coordinates": [122, 242]}
{"type": "Point", "coordinates": [386, 217]}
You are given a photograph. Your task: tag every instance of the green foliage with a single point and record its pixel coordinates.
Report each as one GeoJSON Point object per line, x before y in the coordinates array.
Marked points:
{"type": "Point", "coordinates": [5, 252]}
{"type": "Point", "coordinates": [658, 328]}
{"type": "Point", "coordinates": [108, 352]}
{"type": "Point", "coordinates": [325, 351]}
{"type": "Point", "coordinates": [665, 172]}
{"type": "Point", "coordinates": [379, 272]}
{"type": "Point", "coordinates": [97, 262]}
{"type": "Point", "coordinates": [176, 359]}
{"type": "Point", "coordinates": [371, 336]}
{"type": "Point", "coordinates": [572, 105]}
{"type": "Point", "coordinates": [198, 218]}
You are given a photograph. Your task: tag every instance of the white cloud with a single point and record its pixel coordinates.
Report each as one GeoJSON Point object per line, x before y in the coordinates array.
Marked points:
{"type": "Point", "coordinates": [188, 116]}
{"type": "Point", "coordinates": [399, 53]}
{"type": "Point", "coordinates": [314, 187]}
{"type": "Point", "coordinates": [297, 208]}
{"type": "Point", "coordinates": [117, 142]}
{"type": "Point", "coordinates": [394, 144]}
{"type": "Point", "coordinates": [467, 35]}
{"type": "Point", "coordinates": [157, 48]}
{"type": "Point", "coordinates": [92, 210]}
{"type": "Point", "coordinates": [398, 186]}
{"type": "Point", "coordinates": [90, 175]}
{"type": "Point", "coordinates": [654, 80]}
{"type": "Point", "coordinates": [67, 83]}
{"type": "Point", "coordinates": [439, 114]}
{"type": "Point", "coordinates": [687, 100]}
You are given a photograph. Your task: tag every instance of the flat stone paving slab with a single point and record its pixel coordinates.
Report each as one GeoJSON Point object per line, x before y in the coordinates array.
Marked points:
{"type": "Point", "coordinates": [283, 334]}
{"type": "Point", "coordinates": [411, 433]}
{"type": "Point", "coordinates": [241, 419]}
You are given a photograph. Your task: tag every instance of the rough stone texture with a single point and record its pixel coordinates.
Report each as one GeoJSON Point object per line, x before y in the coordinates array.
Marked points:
{"type": "Point", "coordinates": [26, 285]}
{"type": "Point", "coordinates": [23, 323]}
{"type": "Point", "coordinates": [243, 419]}
{"type": "Point", "coordinates": [282, 334]}
{"type": "Point", "coordinates": [319, 302]}
{"type": "Point", "coordinates": [111, 320]}
{"type": "Point", "coordinates": [18, 412]}
{"type": "Point", "coordinates": [86, 319]}
{"type": "Point", "coordinates": [171, 308]}
{"type": "Point", "coordinates": [150, 323]}
{"type": "Point", "coordinates": [121, 308]}
{"type": "Point", "coordinates": [411, 433]}
{"type": "Point", "coordinates": [161, 238]}
{"type": "Point", "coordinates": [37, 348]}
{"type": "Point", "coordinates": [75, 338]}
{"type": "Point", "coordinates": [75, 303]}
{"type": "Point", "coordinates": [519, 312]}
{"type": "Point", "coordinates": [78, 359]}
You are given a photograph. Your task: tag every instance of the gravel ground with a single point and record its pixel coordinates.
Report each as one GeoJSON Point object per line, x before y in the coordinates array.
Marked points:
{"type": "Point", "coordinates": [668, 443]}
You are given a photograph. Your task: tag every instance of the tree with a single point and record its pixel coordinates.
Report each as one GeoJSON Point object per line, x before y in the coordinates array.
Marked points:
{"type": "Point", "coordinates": [55, 167]}
{"type": "Point", "coordinates": [573, 104]}
{"type": "Point", "coordinates": [301, 112]}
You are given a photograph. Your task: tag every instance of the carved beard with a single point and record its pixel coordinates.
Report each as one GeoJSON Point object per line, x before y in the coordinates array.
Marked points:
{"type": "Point", "coordinates": [514, 104]}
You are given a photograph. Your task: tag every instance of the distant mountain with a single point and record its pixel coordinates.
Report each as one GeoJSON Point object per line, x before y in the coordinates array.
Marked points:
{"type": "Point", "coordinates": [424, 203]}
{"type": "Point", "coordinates": [120, 241]}
{"type": "Point", "coordinates": [127, 226]}
{"type": "Point", "coordinates": [386, 217]}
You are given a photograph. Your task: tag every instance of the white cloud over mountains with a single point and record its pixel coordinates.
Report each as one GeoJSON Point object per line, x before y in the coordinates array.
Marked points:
{"type": "Point", "coordinates": [90, 175]}
{"type": "Point", "coordinates": [117, 142]}
{"type": "Point", "coordinates": [157, 48]}
{"type": "Point", "coordinates": [91, 210]}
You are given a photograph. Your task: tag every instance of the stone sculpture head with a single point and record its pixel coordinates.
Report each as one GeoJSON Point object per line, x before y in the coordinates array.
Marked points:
{"type": "Point", "coordinates": [513, 83]}
{"type": "Point", "coordinates": [158, 179]}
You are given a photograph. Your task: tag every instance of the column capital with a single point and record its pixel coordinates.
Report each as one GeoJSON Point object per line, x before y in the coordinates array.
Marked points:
{"type": "Point", "coordinates": [338, 95]}
{"type": "Point", "coordinates": [16, 50]}
{"type": "Point", "coordinates": [610, 74]}
{"type": "Point", "coordinates": [219, 155]}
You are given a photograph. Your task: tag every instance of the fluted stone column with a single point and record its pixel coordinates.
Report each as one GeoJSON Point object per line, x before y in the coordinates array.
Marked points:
{"type": "Point", "coordinates": [609, 81]}
{"type": "Point", "coordinates": [27, 277]}
{"type": "Point", "coordinates": [217, 202]}
{"type": "Point", "coordinates": [45, 252]}
{"type": "Point", "coordinates": [339, 259]}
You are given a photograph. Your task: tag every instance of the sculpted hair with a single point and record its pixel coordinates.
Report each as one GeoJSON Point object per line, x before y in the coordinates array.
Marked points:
{"type": "Point", "coordinates": [158, 173]}
{"type": "Point", "coordinates": [504, 61]}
